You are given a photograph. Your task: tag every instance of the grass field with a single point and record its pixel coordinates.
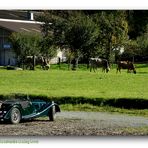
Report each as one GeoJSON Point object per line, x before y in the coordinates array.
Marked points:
{"type": "Point", "coordinates": [82, 90]}
{"type": "Point", "coordinates": [82, 83]}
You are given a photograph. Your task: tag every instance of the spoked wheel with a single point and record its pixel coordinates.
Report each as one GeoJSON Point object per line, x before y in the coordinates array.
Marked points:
{"type": "Point", "coordinates": [52, 113]}
{"type": "Point", "coordinates": [15, 116]}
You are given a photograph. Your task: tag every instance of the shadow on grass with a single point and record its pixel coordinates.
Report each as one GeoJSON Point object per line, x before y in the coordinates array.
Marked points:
{"type": "Point", "coordinates": [141, 65]}
{"type": "Point", "coordinates": [142, 72]}
{"type": "Point", "coordinates": [127, 103]}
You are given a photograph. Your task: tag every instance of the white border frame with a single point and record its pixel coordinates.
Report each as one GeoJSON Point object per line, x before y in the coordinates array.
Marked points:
{"type": "Point", "coordinates": [74, 4]}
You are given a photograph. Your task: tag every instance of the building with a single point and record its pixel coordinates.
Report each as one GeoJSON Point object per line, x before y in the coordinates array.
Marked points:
{"type": "Point", "coordinates": [14, 21]}
{"type": "Point", "coordinates": [18, 21]}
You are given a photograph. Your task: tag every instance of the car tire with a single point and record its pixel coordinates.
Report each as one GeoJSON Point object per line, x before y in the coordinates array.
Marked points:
{"type": "Point", "coordinates": [52, 113]}
{"type": "Point", "coordinates": [15, 116]}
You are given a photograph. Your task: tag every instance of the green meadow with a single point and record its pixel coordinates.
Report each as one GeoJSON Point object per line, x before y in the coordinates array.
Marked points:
{"type": "Point", "coordinates": [82, 90]}
{"type": "Point", "coordinates": [81, 83]}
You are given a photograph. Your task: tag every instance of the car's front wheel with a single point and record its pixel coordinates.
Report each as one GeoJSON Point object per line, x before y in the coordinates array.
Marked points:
{"type": "Point", "coordinates": [15, 116]}
{"type": "Point", "coordinates": [52, 113]}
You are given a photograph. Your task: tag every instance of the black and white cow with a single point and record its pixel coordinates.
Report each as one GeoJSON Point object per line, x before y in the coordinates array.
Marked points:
{"type": "Point", "coordinates": [95, 63]}
{"type": "Point", "coordinates": [39, 60]}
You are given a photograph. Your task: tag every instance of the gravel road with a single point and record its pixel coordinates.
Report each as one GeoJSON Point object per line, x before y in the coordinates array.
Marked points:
{"type": "Point", "coordinates": [76, 124]}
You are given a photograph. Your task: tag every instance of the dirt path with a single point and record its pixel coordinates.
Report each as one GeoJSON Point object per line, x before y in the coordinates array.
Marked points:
{"type": "Point", "coordinates": [75, 123]}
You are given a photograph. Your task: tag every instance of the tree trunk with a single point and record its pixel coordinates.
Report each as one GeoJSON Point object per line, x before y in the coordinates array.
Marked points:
{"type": "Point", "coordinates": [77, 62]}
{"type": "Point", "coordinates": [69, 63]}
{"type": "Point", "coordinates": [59, 62]}
{"type": "Point", "coordinates": [33, 64]}
{"type": "Point", "coordinates": [74, 64]}
{"type": "Point", "coordinates": [133, 59]}
{"type": "Point", "coordinates": [88, 65]}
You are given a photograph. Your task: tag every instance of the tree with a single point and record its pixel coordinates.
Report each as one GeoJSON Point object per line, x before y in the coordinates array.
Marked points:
{"type": "Point", "coordinates": [25, 44]}
{"type": "Point", "coordinates": [71, 30]}
{"type": "Point", "coordinates": [48, 49]}
{"type": "Point", "coordinates": [138, 30]}
{"type": "Point", "coordinates": [80, 36]}
{"type": "Point", "coordinates": [114, 30]}
{"type": "Point", "coordinates": [143, 42]}
{"type": "Point", "coordinates": [131, 49]}
{"type": "Point", "coordinates": [137, 20]}
{"type": "Point", "coordinates": [52, 32]}
{"type": "Point", "coordinates": [53, 25]}
{"type": "Point", "coordinates": [87, 33]}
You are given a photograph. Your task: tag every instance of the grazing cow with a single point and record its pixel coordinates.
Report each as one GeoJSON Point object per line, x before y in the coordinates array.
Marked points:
{"type": "Point", "coordinates": [44, 62]}
{"type": "Point", "coordinates": [40, 60]}
{"type": "Point", "coordinates": [95, 63]}
{"type": "Point", "coordinates": [28, 62]}
{"type": "Point", "coordinates": [125, 65]}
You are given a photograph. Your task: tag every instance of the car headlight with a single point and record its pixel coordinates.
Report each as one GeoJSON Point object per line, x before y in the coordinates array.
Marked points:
{"type": "Point", "coordinates": [0, 111]}
{"type": "Point", "coordinates": [5, 112]}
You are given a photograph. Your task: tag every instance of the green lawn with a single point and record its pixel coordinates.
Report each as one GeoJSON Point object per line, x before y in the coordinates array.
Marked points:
{"type": "Point", "coordinates": [60, 83]}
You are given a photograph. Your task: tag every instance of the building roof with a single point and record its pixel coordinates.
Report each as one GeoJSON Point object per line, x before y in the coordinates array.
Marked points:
{"type": "Point", "coordinates": [20, 26]}
{"type": "Point", "coordinates": [18, 14]}
{"type": "Point", "coordinates": [13, 14]}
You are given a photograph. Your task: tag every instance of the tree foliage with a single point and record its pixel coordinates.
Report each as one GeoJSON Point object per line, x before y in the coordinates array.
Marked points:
{"type": "Point", "coordinates": [137, 20]}
{"type": "Point", "coordinates": [48, 49]}
{"type": "Point", "coordinates": [25, 44]}
{"type": "Point", "coordinates": [70, 29]}
{"type": "Point", "coordinates": [85, 34]}
{"type": "Point", "coordinates": [81, 33]}
{"type": "Point", "coordinates": [114, 30]}
{"type": "Point", "coordinates": [142, 42]}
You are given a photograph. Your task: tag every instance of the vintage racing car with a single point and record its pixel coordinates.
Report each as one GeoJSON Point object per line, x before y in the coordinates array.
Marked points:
{"type": "Point", "coordinates": [18, 109]}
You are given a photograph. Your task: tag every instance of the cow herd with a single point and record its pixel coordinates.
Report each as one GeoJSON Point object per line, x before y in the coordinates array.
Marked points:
{"type": "Point", "coordinates": [95, 63]}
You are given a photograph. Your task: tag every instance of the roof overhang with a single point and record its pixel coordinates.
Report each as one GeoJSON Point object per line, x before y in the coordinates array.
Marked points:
{"type": "Point", "coordinates": [21, 26]}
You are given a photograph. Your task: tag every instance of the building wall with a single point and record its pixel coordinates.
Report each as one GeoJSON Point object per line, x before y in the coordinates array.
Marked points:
{"type": "Point", "coordinates": [60, 55]}
{"type": "Point", "coordinates": [7, 57]}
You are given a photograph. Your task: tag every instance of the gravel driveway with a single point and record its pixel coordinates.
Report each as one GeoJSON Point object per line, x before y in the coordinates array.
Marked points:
{"type": "Point", "coordinates": [75, 124]}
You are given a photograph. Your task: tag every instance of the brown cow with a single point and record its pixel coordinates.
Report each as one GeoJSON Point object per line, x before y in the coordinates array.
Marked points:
{"type": "Point", "coordinates": [125, 65]}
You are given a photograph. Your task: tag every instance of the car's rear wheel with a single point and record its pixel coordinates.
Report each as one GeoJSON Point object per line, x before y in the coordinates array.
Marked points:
{"type": "Point", "coordinates": [15, 116]}
{"type": "Point", "coordinates": [52, 113]}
